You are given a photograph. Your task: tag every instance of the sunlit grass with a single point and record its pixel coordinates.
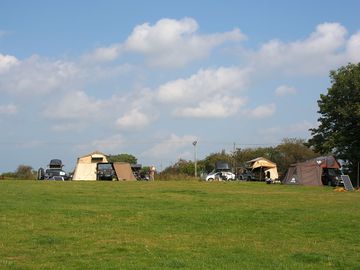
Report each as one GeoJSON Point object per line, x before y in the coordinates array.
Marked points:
{"type": "Point", "coordinates": [176, 225]}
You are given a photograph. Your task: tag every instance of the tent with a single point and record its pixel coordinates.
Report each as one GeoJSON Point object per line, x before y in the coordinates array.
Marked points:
{"type": "Point", "coordinates": [265, 164]}
{"type": "Point", "coordinates": [309, 173]}
{"type": "Point", "coordinates": [123, 171]}
{"type": "Point", "coordinates": [86, 166]}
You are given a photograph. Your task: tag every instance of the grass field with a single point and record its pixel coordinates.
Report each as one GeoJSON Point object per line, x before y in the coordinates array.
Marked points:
{"type": "Point", "coordinates": [176, 225]}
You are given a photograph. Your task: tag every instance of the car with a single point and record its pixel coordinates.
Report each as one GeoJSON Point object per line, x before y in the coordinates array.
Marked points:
{"type": "Point", "coordinates": [247, 175]}
{"type": "Point", "coordinates": [332, 177]}
{"type": "Point", "coordinates": [53, 172]}
{"type": "Point", "coordinates": [105, 171]}
{"type": "Point", "coordinates": [222, 175]}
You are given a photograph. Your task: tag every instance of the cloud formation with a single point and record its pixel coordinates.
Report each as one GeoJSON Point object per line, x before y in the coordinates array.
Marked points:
{"type": "Point", "coordinates": [134, 119]}
{"type": "Point", "coordinates": [175, 43]}
{"type": "Point", "coordinates": [284, 90]}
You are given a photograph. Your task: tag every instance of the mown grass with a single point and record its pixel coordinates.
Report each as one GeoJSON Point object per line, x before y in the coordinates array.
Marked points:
{"type": "Point", "coordinates": [176, 225]}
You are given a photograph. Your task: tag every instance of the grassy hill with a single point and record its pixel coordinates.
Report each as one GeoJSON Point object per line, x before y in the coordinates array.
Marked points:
{"type": "Point", "coordinates": [176, 225]}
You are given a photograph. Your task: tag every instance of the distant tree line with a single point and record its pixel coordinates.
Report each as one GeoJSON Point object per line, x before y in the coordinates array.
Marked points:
{"type": "Point", "coordinates": [23, 172]}
{"type": "Point", "coordinates": [291, 150]}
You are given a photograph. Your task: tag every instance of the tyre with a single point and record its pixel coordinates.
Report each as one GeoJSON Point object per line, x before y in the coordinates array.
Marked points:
{"type": "Point", "coordinates": [41, 174]}
{"type": "Point", "coordinates": [210, 179]}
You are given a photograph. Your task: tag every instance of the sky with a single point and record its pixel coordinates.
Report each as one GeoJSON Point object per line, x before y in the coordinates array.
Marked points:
{"type": "Point", "coordinates": [149, 78]}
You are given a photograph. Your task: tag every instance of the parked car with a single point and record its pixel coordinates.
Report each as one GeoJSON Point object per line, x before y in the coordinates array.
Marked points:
{"type": "Point", "coordinates": [220, 176]}
{"type": "Point", "coordinates": [247, 175]}
{"type": "Point", "coordinates": [331, 177]}
{"type": "Point", "coordinates": [105, 171]}
{"type": "Point", "coordinates": [53, 172]}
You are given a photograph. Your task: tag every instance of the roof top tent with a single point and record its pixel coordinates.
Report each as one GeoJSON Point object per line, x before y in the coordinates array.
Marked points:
{"type": "Point", "coordinates": [222, 166]}
{"type": "Point", "coordinates": [310, 173]}
{"type": "Point", "coordinates": [266, 165]}
{"type": "Point", "coordinates": [55, 164]}
{"type": "Point", "coordinates": [86, 167]}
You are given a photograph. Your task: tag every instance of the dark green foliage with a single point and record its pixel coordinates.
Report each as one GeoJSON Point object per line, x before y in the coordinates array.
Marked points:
{"type": "Point", "coordinates": [25, 172]}
{"type": "Point", "coordinates": [123, 158]}
{"type": "Point", "coordinates": [339, 110]}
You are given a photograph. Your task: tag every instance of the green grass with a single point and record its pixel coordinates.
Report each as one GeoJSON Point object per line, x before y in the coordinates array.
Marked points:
{"type": "Point", "coordinates": [176, 225]}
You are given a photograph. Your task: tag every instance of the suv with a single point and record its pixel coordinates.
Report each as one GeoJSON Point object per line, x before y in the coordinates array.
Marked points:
{"type": "Point", "coordinates": [53, 172]}
{"type": "Point", "coordinates": [105, 171]}
{"type": "Point", "coordinates": [331, 177]}
{"type": "Point", "coordinates": [246, 175]}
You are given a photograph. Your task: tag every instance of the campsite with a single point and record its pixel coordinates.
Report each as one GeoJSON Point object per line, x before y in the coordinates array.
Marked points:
{"type": "Point", "coordinates": [176, 225]}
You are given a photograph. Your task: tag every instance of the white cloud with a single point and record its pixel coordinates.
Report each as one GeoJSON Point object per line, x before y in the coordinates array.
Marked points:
{"type": "Point", "coordinates": [301, 127]}
{"type": "Point", "coordinates": [8, 109]}
{"type": "Point", "coordinates": [112, 144]}
{"type": "Point", "coordinates": [37, 76]}
{"type": "Point", "coordinates": [204, 83]}
{"type": "Point", "coordinates": [263, 111]}
{"type": "Point", "coordinates": [321, 51]}
{"type": "Point", "coordinates": [103, 54]}
{"type": "Point", "coordinates": [75, 105]}
{"type": "Point", "coordinates": [218, 107]}
{"type": "Point", "coordinates": [7, 62]}
{"type": "Point", "coordinates": [170, 147]}
{"type": "Point", "coordinates": [353, 48]}
{"type": "Point", "coordinates": [284, 90]}
{"type": "Point", "coordinates": [174, 43]}
{"type": "Point", "coordinates": [134, 119]}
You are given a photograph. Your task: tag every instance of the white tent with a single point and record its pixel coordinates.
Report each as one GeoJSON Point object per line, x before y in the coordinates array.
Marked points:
{"type": "Point", "coordinates": [86, 166]}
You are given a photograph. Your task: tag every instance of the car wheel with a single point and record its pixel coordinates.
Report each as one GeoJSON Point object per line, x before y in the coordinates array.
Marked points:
{"type": "Point", "coordinates": [210, 179]}
{"type": "Point", "coordinates": [41, 174]}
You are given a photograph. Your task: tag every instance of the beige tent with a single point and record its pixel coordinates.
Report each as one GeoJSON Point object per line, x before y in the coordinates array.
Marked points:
{"type": "Point", "coordinates": [86, 166]}
{"type": "Point", "coordinates": [123, 171]}
{"type": "Point", "coordinates": [266, 165]}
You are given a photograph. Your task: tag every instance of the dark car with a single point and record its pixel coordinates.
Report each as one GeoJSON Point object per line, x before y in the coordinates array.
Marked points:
{"type": "Point", "coordinates": [53, 172]}
{"type": "Point", "coordinates": [331, 177]}
{"type": "Point", "coordinates": [105, 171]}
{"type": "Point", "coordinates": [247, 175]}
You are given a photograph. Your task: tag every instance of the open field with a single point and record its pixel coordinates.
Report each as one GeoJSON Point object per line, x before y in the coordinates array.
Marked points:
{"type": "Point", "coordinates": [176, 225]}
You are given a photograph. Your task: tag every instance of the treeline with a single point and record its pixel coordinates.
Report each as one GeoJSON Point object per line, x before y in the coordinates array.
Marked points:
{"type": "Point", "coordinates": [23, 172]}
{"type": "Point", "coordinates": [289, 151]}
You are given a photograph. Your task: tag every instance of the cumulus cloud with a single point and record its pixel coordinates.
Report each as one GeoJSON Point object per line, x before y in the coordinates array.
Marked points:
{"type": "Point", "coordinates": [75, 106]}
{"type": "Point", "coordinates": [218, 107]}
{"type": "Point", "coordinates": [284, 90]}
{"type": "Point", "coordinates": [353, 48]}
{"type": "Point", "coordinates": [37, 76]}
{"type": "Point", "coordinates": [263, 111]}
{"type": "Point", "coordinates": [7, 62]}
{"type": "Point", "coordinates": [8, 109]}
{"type": "Point", "coordinates": [203, 84]}
{"type": "Point", "coordinates": [103, 54]}
{"type": "Point", "coordinates": [175, 43]}
{"type": "Point", "coordinates": [170, 147]}
{"type": "Point", "coordinates": [134, 119]}
{"type": "Point", "coordinates": [321, 50]}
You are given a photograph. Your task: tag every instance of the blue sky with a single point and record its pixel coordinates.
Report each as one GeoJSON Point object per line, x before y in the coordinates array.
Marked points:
{"type": "Point", "coordinates": [150, 77]}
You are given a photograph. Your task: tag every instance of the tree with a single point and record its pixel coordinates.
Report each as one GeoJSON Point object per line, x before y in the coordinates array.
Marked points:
{"type": "Point", "coordinates": [25, 172]}
{"type": "Point", "coordinates": [122, 158]}
{"type": "Point", "coordinates": [339, 123]}
{"type": "Point", "coordinates": [292, 150]}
